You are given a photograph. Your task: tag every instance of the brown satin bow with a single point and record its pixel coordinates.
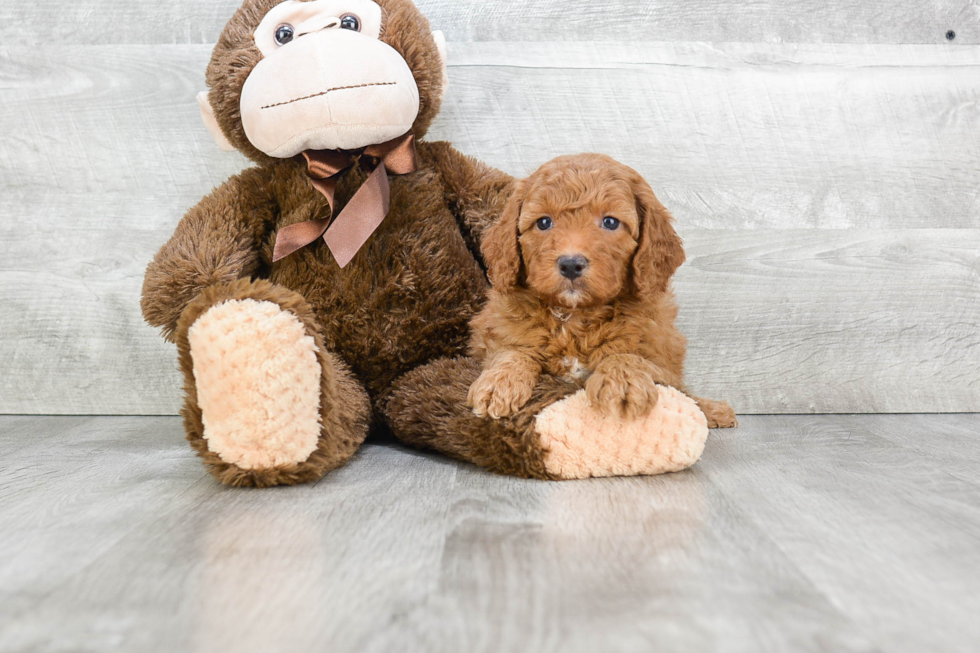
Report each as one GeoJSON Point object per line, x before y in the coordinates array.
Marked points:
{"type": "Point", "coordinates": [364, 212]}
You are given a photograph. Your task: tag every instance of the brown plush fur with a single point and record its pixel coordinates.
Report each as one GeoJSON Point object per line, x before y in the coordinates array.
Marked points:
{"type": "Point", "coordinates": [614, 325]}
{"type": "Point", "coordinates": [429, 408]}
{"type": "Point", "coordinates": [406, 298]}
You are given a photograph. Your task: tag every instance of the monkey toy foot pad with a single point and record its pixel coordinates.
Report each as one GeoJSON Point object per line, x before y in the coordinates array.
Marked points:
{"type": "Point", "coordinates": [266, 403]}
{"type": "Point", "coordinates": [258, 384]}
{"type": "Point", "coordinates": [557, 435]}
{"type": "Point", "coordinates": [580, 443]}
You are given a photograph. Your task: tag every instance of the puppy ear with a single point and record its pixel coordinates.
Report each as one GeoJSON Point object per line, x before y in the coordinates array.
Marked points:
{"type": "Point", "coordinates": [500, 247]}
{"type": "Point", "coordinates": [660, 251]}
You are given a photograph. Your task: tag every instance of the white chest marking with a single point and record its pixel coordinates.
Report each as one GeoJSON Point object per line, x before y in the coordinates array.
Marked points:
{"type": "Point", "coordinates": [574, 370]}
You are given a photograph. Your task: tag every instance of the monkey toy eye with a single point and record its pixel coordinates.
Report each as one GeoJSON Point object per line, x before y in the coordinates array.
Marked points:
{"type": "Point", "coordinates": [545, 223]}
{"type": "Point", "coordinates": [610, 223]}
{"type": "Point", "coordinates": [351, 22]}
{"type": "Point", "coordinates": [284, 34]}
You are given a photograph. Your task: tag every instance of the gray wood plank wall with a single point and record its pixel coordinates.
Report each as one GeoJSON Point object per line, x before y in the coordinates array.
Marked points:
{"type": "Point", "coordinates": [823, 163]}
{"type": "Point", "coordinates": [791, 21]}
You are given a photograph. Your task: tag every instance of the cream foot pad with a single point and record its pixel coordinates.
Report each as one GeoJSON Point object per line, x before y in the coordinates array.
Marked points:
{"type": "Point", "coordinates": [580, 443]}
{"type": "Point", "coordinates": [258, 384]}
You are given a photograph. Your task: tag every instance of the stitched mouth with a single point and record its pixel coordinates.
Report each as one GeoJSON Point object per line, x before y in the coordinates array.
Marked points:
{"type": "Point", "coordinates": [329, 90]}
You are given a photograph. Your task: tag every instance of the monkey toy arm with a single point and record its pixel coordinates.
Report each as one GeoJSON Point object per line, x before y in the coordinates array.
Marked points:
{"type": "Point", "coordinates": [217, 241]}
{"type": "Point", "coordinates": [475, 192]}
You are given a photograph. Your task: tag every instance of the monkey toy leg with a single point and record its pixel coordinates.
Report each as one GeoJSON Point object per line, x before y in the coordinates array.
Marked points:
{"type": "Point", "coordinates": [556, 435]}
{"type": "Point", "coordinates": [265, 403]}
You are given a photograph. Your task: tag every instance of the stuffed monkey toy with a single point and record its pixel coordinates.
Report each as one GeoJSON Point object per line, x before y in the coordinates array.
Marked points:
{"type": "Point", "coordinates": [328, 290]}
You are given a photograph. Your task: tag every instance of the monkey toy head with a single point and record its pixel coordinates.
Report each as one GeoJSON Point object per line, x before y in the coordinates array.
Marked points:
{"type": "Point", "coordinates": [297, 75]}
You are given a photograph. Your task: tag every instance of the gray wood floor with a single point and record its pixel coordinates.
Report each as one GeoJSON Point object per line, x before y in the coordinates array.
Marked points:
{"type": "Point", "coordinates": [833, 533]}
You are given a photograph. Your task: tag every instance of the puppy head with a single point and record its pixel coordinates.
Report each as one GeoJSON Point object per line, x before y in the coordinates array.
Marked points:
{"type": "Point", "coordinates": [581, 231]}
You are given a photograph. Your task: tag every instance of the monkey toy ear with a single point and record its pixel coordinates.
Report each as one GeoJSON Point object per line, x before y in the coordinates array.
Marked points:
{"type": "Point", "coordinates": [440, 40]}
{"type": "Point", "coordinates": [207, 115]}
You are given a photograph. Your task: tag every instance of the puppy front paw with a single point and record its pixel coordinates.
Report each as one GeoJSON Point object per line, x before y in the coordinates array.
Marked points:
{"type": "Point", "coordinates": [500, 392]}
{"type": "Point", "coordinates": [625, 393]}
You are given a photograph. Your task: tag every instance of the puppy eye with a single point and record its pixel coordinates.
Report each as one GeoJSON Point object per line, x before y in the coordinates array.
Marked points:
{"type": "Point", "coordinates": [351, 22]}
{"type": "Point", "coordinates": [610, 223]}
{"type": "Point", "coordinates": [284, 34]}
{"type": "Point", "coordinates": [545, 223]}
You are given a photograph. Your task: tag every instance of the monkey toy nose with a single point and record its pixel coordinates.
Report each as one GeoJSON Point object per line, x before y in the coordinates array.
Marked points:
{"type": "Point", "coordinates": [572, 267]}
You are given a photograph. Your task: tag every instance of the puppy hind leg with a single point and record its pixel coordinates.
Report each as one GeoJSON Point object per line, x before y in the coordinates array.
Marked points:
{"type": "Point", "coordinates": [719, 413]}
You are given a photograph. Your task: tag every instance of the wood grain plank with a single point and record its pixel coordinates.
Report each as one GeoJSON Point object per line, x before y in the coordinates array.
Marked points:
{"type": "Point", "coordinates": [752, 136]}
{"type": "Point", "coordinates": [792, 533]}
{"type": "Point", "coordinates": [849, 321]}
{"type": "Point", "coordinates": [953, 449]}
{"type": "Point", "coordinates": [778, 321]}
{"type": "Point", "coordinates": [124, 523]}
{"type": "Point", "coordinates": [789, 21]}
{"type": "Point", "coordinates": [743, 137]}
{"type": "Point", "coordinates": [621, 564]}
{"type": "Point", "coordinates": [861, 518]}
{"type": "Point", "coordinates": [844, 286]}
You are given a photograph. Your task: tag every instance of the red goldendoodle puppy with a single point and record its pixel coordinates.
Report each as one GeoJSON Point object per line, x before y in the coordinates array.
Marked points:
{"type": "Point", "coordinates": [580, 263]}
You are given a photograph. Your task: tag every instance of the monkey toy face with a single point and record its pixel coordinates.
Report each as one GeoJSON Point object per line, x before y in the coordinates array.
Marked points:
{"type": "Point", "coordinates": [296, 75]}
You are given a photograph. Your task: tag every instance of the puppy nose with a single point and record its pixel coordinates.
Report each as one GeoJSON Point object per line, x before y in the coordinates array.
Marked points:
{"type": "Point", "coordinates": [572, 267]}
